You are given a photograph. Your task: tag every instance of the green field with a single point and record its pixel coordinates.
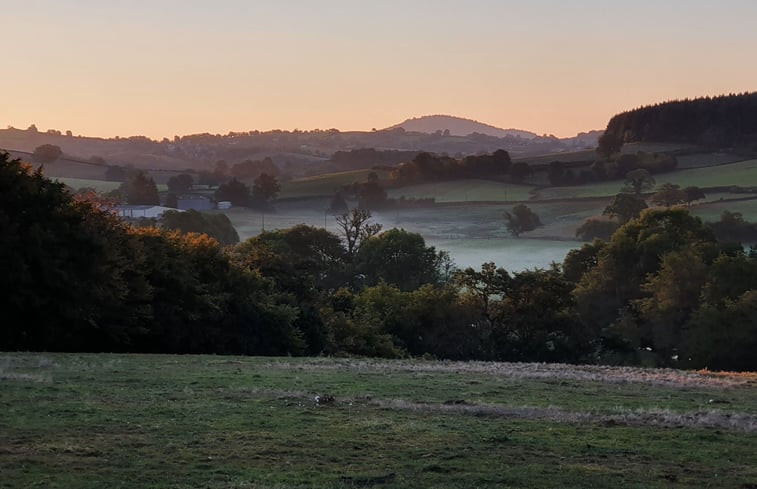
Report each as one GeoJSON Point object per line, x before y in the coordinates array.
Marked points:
{"type": "Point", "coordinates": [743, 174]}
{"type": "Point", "coordinates": [325, 185]}
{"type": "Point", "coordinates": [465, 191]}
{"type": "Point", "coordinates": [250, 222]}
{"type": "Point", "coordinates": [712, 210]}
{"type": "Point", "coordinates": [511, 254]}
{"type": "Point", "coordinates": [452, 191]}
{"type": "Point", "coordinates": [158, 421]}
{"type": "Point", "coordinates": [99, 185]}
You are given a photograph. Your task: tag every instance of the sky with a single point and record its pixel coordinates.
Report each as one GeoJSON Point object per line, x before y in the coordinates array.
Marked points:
{"type": "Point", "coordinates": [161, 68]}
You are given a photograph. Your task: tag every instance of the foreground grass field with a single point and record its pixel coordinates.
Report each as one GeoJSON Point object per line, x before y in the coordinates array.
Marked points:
{"type": "Point", "coordinates": [92, 421]}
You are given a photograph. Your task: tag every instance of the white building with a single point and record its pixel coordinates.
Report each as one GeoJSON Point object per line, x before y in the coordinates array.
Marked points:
{"type": "Point", "coordinates": [142, 211]}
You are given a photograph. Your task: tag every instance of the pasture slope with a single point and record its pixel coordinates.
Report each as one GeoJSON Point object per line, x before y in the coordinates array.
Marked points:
{"type": "Point", "coordinates": [160, 421]}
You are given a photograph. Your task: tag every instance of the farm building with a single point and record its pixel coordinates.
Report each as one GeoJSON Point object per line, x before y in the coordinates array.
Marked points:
{"type": "Point", "coordinates": [196, 202]}
{"type": "Point", "coordinates": [141, 211]}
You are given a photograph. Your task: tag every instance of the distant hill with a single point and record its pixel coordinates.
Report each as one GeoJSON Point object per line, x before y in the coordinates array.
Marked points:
{"type": "Point", "coordinates": [296, 153]}
{"type": "Point", "coordinates": [458, 126]}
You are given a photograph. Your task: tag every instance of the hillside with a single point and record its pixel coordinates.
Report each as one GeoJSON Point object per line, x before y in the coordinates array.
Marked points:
{"type": "Point", "coordinates": [296, 153]}
{"type": "Point", "coordinates": [458, 126]}
{"type": "Point", "coordinates": [713, 122]}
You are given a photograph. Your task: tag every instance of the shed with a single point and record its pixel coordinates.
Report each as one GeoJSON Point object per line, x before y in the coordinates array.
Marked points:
{"type": "Point", "coordinates": [195, 202]}
{"type": "Point", "coordinates": [141, 211]}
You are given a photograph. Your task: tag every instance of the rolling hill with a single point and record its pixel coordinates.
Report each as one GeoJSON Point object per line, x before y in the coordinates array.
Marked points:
{"type": "Point", "coordinates": [458, 126]}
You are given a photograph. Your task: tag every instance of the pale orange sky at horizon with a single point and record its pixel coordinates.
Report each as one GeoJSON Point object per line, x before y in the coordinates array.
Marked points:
{"type": "Point", "coordinates": [165, 68]}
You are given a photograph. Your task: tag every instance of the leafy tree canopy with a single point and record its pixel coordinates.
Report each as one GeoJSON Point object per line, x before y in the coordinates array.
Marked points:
{"type": "Point", "coordinates": [398, 258]}
{"type": "Point", "coordinates": [625, 207]}
{"type": "Point", "coordinates": [668, 195]}
{"type": "Point", "coordinates": [46, 154]}
{"type": "Point", "coordinates": [520, 220]}
{"type": "Point", "coordinates": [180, 183]}
{"type": "Point", "coordinates": [141, 190]}
{"type": "Point", "coordinates": [235, 192]}
{"type": "Point", "coordinates": [217, 226]}
{"type": "Point", "coordinates": [265, 188]}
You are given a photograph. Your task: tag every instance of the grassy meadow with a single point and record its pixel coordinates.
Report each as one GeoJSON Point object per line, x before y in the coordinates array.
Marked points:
{"type": "Point", "coordinates": [743, 174]}
{"type": "Point", "coordinates": [465, 191]}
{"type": "Point", "coordinates": [161, 421]}
{"type": "Point", "coordinates": [325, 185]}
{"type": "Point", "coordinates": [511, 254]}
{"type": "Point", "coordinates": [103, 186]}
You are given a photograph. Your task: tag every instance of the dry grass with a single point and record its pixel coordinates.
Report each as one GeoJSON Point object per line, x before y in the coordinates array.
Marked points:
{"type": "Point", "coordinates": [649, 417]}
{"type": "Point", "coordinates": [550, 371]}
{"type": "Point", "coordinates": [9, 365]}
{"type": "Point", "coordinates": [163, 421]}
{"type": "Point", "coordinates": [639, 417]}
{"type": "Point", "coordinates": [18, 377]}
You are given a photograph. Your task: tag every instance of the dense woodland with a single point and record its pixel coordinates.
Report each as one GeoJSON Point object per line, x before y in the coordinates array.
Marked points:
{"type": "Point", "coordinates": [715, 122]}
{"type": "Point", "coordinates": [428, 167]}
{"type": "Point", "coordinates": [661, 291]}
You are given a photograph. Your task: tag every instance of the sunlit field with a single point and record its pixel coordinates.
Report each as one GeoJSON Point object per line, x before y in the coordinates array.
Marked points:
{"type": "Point", "coordinates": [103, 186]}
{"type": "Point", "coordinates": [99, 185]}
{"type": "Point", "coordinates": [325, 185]}
{"type": "Point", "coordinates": [160, 421]}
{"type": "Point", "coordinates": [743, 174]}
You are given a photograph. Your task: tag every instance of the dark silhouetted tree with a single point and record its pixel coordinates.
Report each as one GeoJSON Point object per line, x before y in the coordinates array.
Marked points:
{"type": "Point", "coordinates": [265, 189]}
{"type": "Point", "coordinates": [116, 173]}
{"type": "Point", "coordinates": [520, 170]}
{"type": "Point", "coordinates": [693, 193]}
{"type": "Point", "coordinates": [217, 226]}
{"type": "Point", "coordinates": [180, 183]}
{"type": "Point", "coordinates": [235, 192]}
{"type": "Point", "coordinates": [141, 190]}
{"type": "Point", "coordinates": [172, 200]}
{"type": "Point", "coordinates": [638, 181]}
{"type": "Point", "coordinates": [355, 227]}
{"type": "Point", "coordinates": [399, 258]}
{"type": "Point", "coordinates": [668, 195]}
{"type": "Point", "coordinates": [594, 228]}
{"type": "Point", "coordinates": [732, 227]}
{"type": "Point", "coordinates": [338, 205]}
{"type": "Point", "coordinates": [624, 207]}
{"type": "Point", "coordinates": [371, 195]}
{"type": "Point", "coordinates": [46, 154]}
{"type": "Point", "coordinates": [520, 220]}
{"type": "Point", "coordinates": [609, 144]}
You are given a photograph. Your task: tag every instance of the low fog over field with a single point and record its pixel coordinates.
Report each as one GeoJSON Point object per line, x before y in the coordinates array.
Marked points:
{"type": "Point", "coordinates": [472, 235]}
{"type": "Point", "coordinates": [511, 254]}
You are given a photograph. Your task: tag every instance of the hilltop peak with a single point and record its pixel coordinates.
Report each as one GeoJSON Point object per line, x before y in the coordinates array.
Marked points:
{"type": "Point", "coordinates": [457, 126]}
